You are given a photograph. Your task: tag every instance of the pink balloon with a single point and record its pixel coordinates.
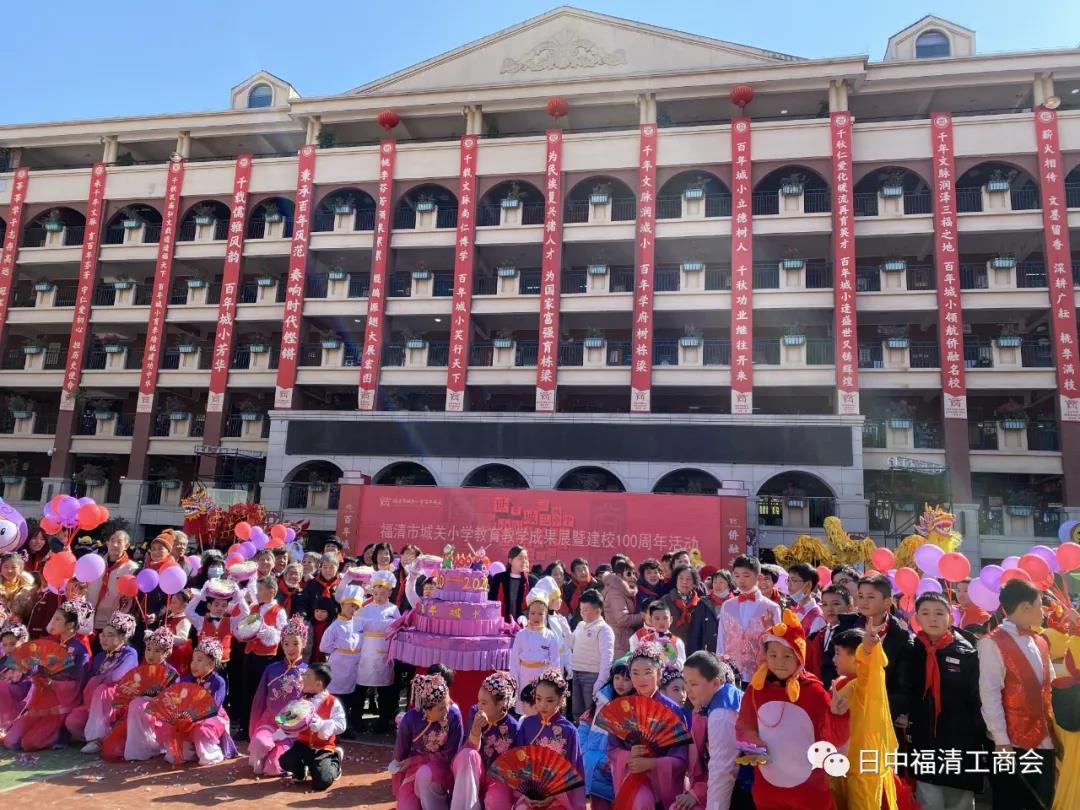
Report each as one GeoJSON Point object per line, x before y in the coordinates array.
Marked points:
{"type": "Point", "coordinates": [982, 595]}
{"type": "Point", "coordinates": [907, 579]}
{"type": "Point", "coordinates": [927, 557]}
{"type": "Point", "coordinates": [782, 582]}
{"type": "Point", "coordinates": [1048, 556]}
{"type": "Point", "coordinates": [824, 575]}
{"type": "Point", "coordinates": [89, 567]}
{"type": "Point", "coordinates": [173, 579]}
{"type": "Point", "coordinates": [147, 579]}
{"type": "Point", "coordinates": [883, 559]}
{"type": "Point", "coordinates": [1010, 562]}
{"type": "Point", "coordinates": [928, 585]}
{"type": "Point", "coordinates": [1068, 556]}
{"type": "Point", "coordinates": [990, 576]}
{"type": "Point", "coordinates": [194, 562]}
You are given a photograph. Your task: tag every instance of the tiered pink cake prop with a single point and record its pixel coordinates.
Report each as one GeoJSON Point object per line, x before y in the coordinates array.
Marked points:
{"type": "Point", "coordinates": [460, 627]}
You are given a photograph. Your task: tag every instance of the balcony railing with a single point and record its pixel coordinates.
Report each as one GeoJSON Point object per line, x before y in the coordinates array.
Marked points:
{"type": "Point", "coordinates": [766, 352]}
{"type": "Point", "coordinates": [716, 205]}
{"type": "Point", "coordinates": [665, 352]}
{"type": "Point", "coordinates": [1042, 435]}
{"type": "Point", "coordinates": [1037, 354]}
{"type": "Point", "coordinates": [716, 352]}
{"type": "Point", "coordinates": [871, 354]}
{"type": "Point", "coordinates": [619, 353]}
{"type": "Point", "coordinates": [257, 228]}
{"type": "Point", "coordinates": [574, 282]}
{"type": "Point", "coordinates": [772, 509]}
{"type": "Point", "coordinates": [359, 284]}
{"type": "Point", "coordinates": [296, 495]}
{"type": "Point", "coordinates": [621, 279]}
{"type": "Point", "coordinates": [978, 353]}
{"type": "Point", "coordinates": [968, 200]}
{"type": "Point", "coordinates": [983, 435]}
{"type": "Point", "coordinates": [529, 282]}
{"type": "Point", "coordinates": [31, 490]}
{"type": "Point", "coordinates": [393, 355]}
{"type": "Point", "coordinates": [623, 209]}
{"type": "Point", "coordinates": [36, 235]}
{"type": "Point", "coordinates": [526, 352]}
{"type": "Point", "coordinates": [819, 351]}
{"type": "Point", "coordinates": [924, 355]}
{"type": "Point", "coordinates": [532, 213]}
{"type": "Point", "coordinates": [1072, 195]}
{"type": "Point", "coordinates": [571, 354]}
{"type": "Point", "coordinates": [438, 355]}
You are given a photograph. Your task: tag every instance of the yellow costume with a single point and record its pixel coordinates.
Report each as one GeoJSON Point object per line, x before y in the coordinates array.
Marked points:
{"type": "Point", "coordinates": [1067, 793]}
{"type": "Point", "coordinates": [935, 526]}
{"type": "Point", "coordinates": [872, 736]}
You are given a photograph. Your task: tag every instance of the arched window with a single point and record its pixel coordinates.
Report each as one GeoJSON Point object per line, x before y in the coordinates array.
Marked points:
{"type": "Point", "coordinates": [261, 95]}
{"type": "Point", "coordinates": [931, 45]}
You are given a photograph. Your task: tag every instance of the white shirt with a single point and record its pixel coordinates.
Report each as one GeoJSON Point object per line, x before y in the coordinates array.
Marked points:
{"type": "Point", "coordinates": [804, 607]}
{"type": "Point", "coordinates": [594, 647]}
{"type": "Point", "coordinates": [558, 625]}
{"type": "Point", "coordinates": [992, 681]}
{"type": "Point", "coordinates": [722, 752]}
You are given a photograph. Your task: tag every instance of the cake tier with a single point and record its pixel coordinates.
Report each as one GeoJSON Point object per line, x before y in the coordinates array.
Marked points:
{"type": "Point", "coordinates": [459, 618]}
{"type": "Point", "coordinates": [470, 597]}
{"type": "Point", "coordinates": [483, 653]}
{"type": "Point", "coordinates": [462, 579]}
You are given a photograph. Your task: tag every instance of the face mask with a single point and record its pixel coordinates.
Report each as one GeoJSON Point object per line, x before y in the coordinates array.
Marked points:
{"type": "Point", "coordinates": [215, 571]}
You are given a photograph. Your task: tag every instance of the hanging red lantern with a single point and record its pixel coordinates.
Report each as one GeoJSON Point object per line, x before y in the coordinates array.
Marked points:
{"type": "Point", "coordinates": [557, 107]}
{"type": "Point", "coordinates": [741, 95]}
{"type": "Point", "coordinates": [388, 119]}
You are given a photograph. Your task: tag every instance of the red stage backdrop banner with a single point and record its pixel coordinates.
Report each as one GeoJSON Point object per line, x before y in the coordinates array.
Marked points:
{"type": "Point", "coordinates": [742, 276]}
{"type": "Point", "coordinates": [11, 241]}
{"type": "Point", "coordinates": [551, 524]}
{"type": "Point", "coordinates": [380, 252]}
{"type": "Point", "coordinates": [230, 283]}
{"type": "Point", "coordinates": [645, 253]}
{"type": "Point", "coordinates": [296, 278]}
{"type": "Point", "coordinates": [547, 359]}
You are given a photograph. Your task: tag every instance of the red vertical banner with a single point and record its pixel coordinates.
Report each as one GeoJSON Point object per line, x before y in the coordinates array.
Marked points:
{"type": "Point", "coordinates": [464, 255]}
{"type": "Point", "coordinates": [380, 262]}
{"type": "Point", "coordinates": [947, 265]}
{"type": "Point", "coordinates": [88, 262]}
{"type": "Point", "coordinates": [11, 241]}
{"type": "Point", "coordinates": [230, 285]}
{"type": "Point", "coordinates": [1058, 261]}
{"type": "Point", "coordinates": [155, 328]}
{"type": "Point", "coordinates": [844, 319]}
{"type": "Point", "coordinates": [547, 356]}
{"type": "Point", "coordinates": [742, 274]}
{"type": "Point", "coordinates": [295, 278]}
{"type": "Point", "coordinates": [644, 271]}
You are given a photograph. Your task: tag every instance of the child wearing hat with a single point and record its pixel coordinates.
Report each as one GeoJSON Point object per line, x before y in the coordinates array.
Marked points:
{"type": "Point", "coordinates": [536, 647]}
{"type": "Point", "coordinates": [92, 720]}
{"type": "Point", "coordinates": [260, 630]}
{"type": "Point", "coordinates": [375, 668]}
{"type": "Point", "coordinates": [341, 643]}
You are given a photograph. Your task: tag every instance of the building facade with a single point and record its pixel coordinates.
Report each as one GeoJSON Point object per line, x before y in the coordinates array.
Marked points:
{"type": "Point", "coordinates": [850, 282]}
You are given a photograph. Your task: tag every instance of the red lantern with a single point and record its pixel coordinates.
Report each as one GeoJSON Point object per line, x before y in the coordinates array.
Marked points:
{"type": "Point", "coordinates": [741, 95]}
{"type": "Point", "coordinates": [557, 107]}
{"type": "Point", "coordinates": [388, 119]}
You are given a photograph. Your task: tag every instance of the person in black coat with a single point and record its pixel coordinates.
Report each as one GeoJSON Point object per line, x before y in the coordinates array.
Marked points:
{"type": "Point", "coordinates": [836, 603]}
{"type": "Point", "coordinates": [945, 709]}
{"type": "Point", "coordinates": [705, 622]}
{"type": "Point", "coordinates": [875, 606]}
{"type": "Point", "coordinates": [510, 587]}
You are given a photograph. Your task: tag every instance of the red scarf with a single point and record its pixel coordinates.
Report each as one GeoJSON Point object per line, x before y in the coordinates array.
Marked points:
{"type": "Point", "coordinates": [327, 587]}
{"type": "Point", "coordinates": [718, 600]}
{"type": "Point", "coordinates": [684, 608]}
{"type": "Point", "coordinates": [286, 595]}
{"type": "Point", "coordinates": [933, 672]}
{"type": "Point", "coordinates": [124, 559]}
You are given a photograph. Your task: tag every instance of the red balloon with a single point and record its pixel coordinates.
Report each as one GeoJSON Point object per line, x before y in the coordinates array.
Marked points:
{"type": "Point", "coordinates": [277, 531]}
{"type": "Point", "coordinates": [88, 516]}
{"type": "Point", "coordinates": [1038, 569]}
{"type": "Point", "coordinates": [557, 107]}
{"type": "Point", "coordinates": [1015, 573]}
{"type": "Point", "coordinates": [388, 119]}
{"type": "Point", "coordinates": [741, 95]}
{"type": "Point", "coordinates": [1068, 556]}
{"type": "Point", "coordinates": [883, 559]}
{"type": "Point", "coordinates": [233, 559]}
{"type": "Point", "coordinates": [66, 561]}
{"type": "Point", "coordinates": [49, 526]}
{"type": "Point", "coordinates": [275, 542]}
{"type": "Point", "coordinates": [127, 586]}
{"type": "Point", "coordinates": [242, 530]}
{"type": "Point", "coordinates": [954, 566]}
{"type": "Point", "coordinates": [103, 514]}
{"type": "Point", "coordinates": [824, 575]}
{"type": "Point", "coordinates": [54, 504]}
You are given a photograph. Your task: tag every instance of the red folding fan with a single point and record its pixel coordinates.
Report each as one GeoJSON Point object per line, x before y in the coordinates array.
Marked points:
{"type": "Point", "coordinates": [182, 703]}
{"type": "Point", "coordinates": [638, 720]}
{"type": "Point", "coordinates": [146, 680]}
{"type": "Point", "coordinates": [536, 772]}
{"type": "Point", "coordinates": [51, 657]}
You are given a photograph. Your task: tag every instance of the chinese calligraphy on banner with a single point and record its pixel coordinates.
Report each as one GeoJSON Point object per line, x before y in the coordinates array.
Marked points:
{"type": "Point", "coordinates": [380, 253]}
{"type": "Point", "coordinates": [295, 279]}
{"type": "Point", "coordinates": [11, 241]}
{"type": "Point", "coordinates": [87, 275]}
{"type": "Point", "coordinates": [946, 264]}
{"type": "Point", "coordinates": [845, 321]}
{"type": "Point", "coordinates": [742, 276]}
{"type": "Point", "coordinates": [155, 328]}
{"type": "Point", "coordinates": [1058, 261]}
{"type": "Point", "coordinates": [464, 252]}
{"type": "Point", "coordinates": [551, 524]}
{"type": "Point", "coordinates": [547, 358]}
{"type": "Point", "coordinates": [230, 284]}
{"type": "Point", "coordinates": [645, 253]}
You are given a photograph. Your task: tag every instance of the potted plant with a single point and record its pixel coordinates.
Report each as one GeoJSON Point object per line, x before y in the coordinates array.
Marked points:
{"type": "Point", "coordinates": [104, 409]}
{"type": "Point", "coordinates": [1021, 503]}
{"type": "Point", "coordinates": [250, 410]}
{"type": "Point", "coordinates": [204, 214]}
{"type": "Point", "coordinates": [115, 345]}
{"type": "Point", "coordinates": [420, 272]}
{"type": "Point", "coordinates": [1011, 415]}
{"type": "Point", "coordinates": [266, 280]}
{"type": "Point", "coordinates": [796, 502]}
{"type": "Point", "coordinates": [344, 204]}
{"type": "Point", "coordinates": [425, 202]}
{"type": "Point", "coordinates": [692, 267]}
{"type": "Point", "coordinates": [414, 340]}
{"type": "Point", "coordinates": [43, 285]}
{"type": "Point", "coordinates": [897, 341]}
{"type": "Point", "coordinates": [326, 139]}
{"type": "Point", "coordinates": [900, 414]}
{"type": "Point", "coordinates": [170, 477]}
{"type": "Point", "coordinates": [195, 283]}
{"type": "Point", "coordinates": [793, 184]}
{"type": "Point", "coordinates": [177, 408]}
{"type": "Point", "coordinates": [1003, 261]}
{"type": "Point", "coordinates": [271, 212]}
{"type": "Point", "coordinates": [504, 340]}
{"type": "Point", "coordinates": [594, 339]}
{"type": "Point", "coordinates": [1008, 339]}
{"type": "Point", "coordinates": [792, 260]}
{"type": "Point", "coordinates": [125, 159]}
{"type": "Point", "coordinates": [131, 218]}
{"type": "Point", "coordinates": [330, 341]}
{"type": "Point", "coordinates": [696, 190]}
{"type": "Point", "coordinates": [506, 269]}
{"type": "Point", "coordinates": [123, 281]}
{"type": "Point", "coordinates": [91, 475]}
{"type": "Point", "coordinates": [336, 273]}
{"type": "Point", "coordinates": [597, 269]}
{"type": "Point", "coordinates": [691, 336]}
{"type": "Point", "coordinates": [54, 222]}
{"type": "Point", "coordinates": [894, 265]}
{"type": "Point", "coordinates": [188, 346]}
{"type": "Point", "coordinates": [34, 346]}
{"type": "Point", "coordinates": [21, 407]}
{"type": "Point", "coordinates": [513, 196]}
{"type": "Point", "coordinates": [892, 184]}
{"type": "Point", "coordinates": [601, 194]}
{"type": "Point", "coordinates": [11, 471]}
{"type": "Point", "coordinates": [317, 482]}
{"type": "Point", "coordinates": [999, 181]}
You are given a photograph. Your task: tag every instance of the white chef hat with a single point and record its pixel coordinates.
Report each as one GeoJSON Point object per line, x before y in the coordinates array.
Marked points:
{"type": "Point", "coordinates": [353, 594]}
{"type": "Point", "coordinates": [542, 591]}
{"type": "Point", "coordinates": [385, 578]}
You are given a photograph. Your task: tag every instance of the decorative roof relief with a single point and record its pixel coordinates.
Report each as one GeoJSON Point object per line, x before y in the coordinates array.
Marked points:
{"type": "Point", "coordinates": [565, 50]}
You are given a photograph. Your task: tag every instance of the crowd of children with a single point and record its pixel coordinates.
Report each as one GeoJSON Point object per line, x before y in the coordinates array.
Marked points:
{"type": "Point", "coordinates": [760, 671]}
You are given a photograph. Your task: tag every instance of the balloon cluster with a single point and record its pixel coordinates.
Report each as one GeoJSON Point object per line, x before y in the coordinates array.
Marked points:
{"type": "Point", "coordinates": [64, 514]}
{"type": "Point", "coordinates": [254, 538]}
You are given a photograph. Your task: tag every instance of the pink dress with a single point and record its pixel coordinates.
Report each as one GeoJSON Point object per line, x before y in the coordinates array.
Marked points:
{"type": "Point", "coordinates": [14, 686]}
{"type": "Point", "coordinates": [473, 788]}
{"type": "Point", "coordinates": [425, 784]}
{"type": "Point", "coordinates": [280, 685]}
{"type": "Point", "coordinates": [93, 719]}
{"type": "Point", "coordinates": [50, 700]}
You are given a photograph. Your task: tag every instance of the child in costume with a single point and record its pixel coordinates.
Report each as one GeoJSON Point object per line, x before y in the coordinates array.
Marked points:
{"type": "Point", "coordinates": [207, 740]}
{"type": "Point", "coordinates": [536, 647]}
{"type": "Point", "coordinates": [92, 720]}
{"type": "Point", "coordinates": [179, 625]}
{"type": "Point", "coordinates": [745, 619]}
{"type": "Point", "coordinates": [222, 604]}
{"type": "Point", "coordinates": [428, 737]}
{"type": "Point", "coordinates": [133, 736]}
{"type": "Point", "coordinates": [14, 682]}
{"type": "Point", "coordinates": [786, 710]}
{"type": "Point", "coordinates": [1014, 685]}
{"type": "Point", "coordinates": [1065, 697]}
{"type": "Point", "coordinates": [52, 697]}
{"type": "Point", "coordinates": [281, 684]}
{"type": "Point", "coordinates": [375, 668]}
{"type": "Point", "coordinates": [710, 685]}
{"type": "Point", "coordinates": [315, 750]}
{"type": "Point", "coordinates": [560, 626]}
{"type": "Point", "coordinates": [260, 630]}
{"type": "Point", "coordinates": [341, 643]}
{"type": "Point", "coordinates": [491, 731]}
{"type": "Point", "coordinates": [875, 602]}
{"type": "Point", "coordinates": [673, 685]}
{"type": "Point", "coordinates": [658, 630]}
{"type": "Point", "coordinates": [598, 782]}
{"type": "Point", "coordinates": [548, 727]}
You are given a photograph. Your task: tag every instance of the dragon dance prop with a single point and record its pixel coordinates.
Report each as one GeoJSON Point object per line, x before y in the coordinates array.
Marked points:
{"type": "Point", "coordinates": [214, 526]}
{"type": "Point", "coordinates": [935, 526]}
{"type": "Point", "coordinates": [838, 548]}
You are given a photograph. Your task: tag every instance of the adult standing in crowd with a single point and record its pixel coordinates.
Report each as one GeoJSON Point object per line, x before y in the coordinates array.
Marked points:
{"type": "Point", "coordinates": [510, 587]}
{"type": "Point", "coordinates": [620, 605]}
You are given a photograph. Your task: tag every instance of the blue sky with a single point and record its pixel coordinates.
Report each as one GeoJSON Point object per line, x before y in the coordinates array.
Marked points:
{"type": "Point", "coordinates": [66, 60]}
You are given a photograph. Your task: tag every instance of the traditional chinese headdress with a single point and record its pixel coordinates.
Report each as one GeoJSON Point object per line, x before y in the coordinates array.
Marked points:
{"type": "Point", "coordinates": [502, 686]}
{"type": "Point", "coordinates": [384, 578]}
{"type": "Point", "coordinates": [211, 648]}
{"type": "Point", "coordinates": [650, 651]}
{"type": "Point", "coordinates": [790, 633]}
{"type": "Point", "coordinates": [123, 623]}
{"type": "Point", "coordinates": [428, 690]}
{"type": "Point", "coordinates": [554, 676]}
{"type": "Point", "coordinates": [160, 640]}
{"type": "Point", "coordinates": [17, 629]}
{"type": "Point", "coordinates": [670, 673]}
{"type": "Point", "coordinates": [296, 626]}
{"type": "Point", "coordinates": [80, 607]}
